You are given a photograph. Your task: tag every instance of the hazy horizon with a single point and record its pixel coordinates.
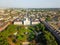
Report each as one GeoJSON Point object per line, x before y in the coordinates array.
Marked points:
{"type": "Point", "coordinates": [29, 3]}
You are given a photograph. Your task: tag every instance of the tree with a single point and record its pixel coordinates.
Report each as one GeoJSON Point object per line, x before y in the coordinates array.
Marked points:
{"type": "Point", "coordinates": [40, 27]}
{"type": "Point", "coordinates": [31, 36]}
{"type": "Point", "coordinates": [48, 18]}
{"type": "Point", "coordinates": [3, 41]}
{"type": "Point", "coordinates": [49, 39]}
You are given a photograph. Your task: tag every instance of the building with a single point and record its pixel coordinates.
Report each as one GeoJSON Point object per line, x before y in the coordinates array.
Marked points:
{"type": "Point", "coordinates": [17, 22]}
{"type": "Point", "coordinates": [58, 24]}
{"type": "Point", "coordinates": [27, 22]}
{"type": "Point", "coordinates": [36, 21]}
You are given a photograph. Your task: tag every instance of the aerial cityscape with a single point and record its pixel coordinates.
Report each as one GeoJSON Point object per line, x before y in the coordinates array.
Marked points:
{"type": "Point", "coordinates": [30, 26]}
{"type": "Point", "coordinates": [29, 22]}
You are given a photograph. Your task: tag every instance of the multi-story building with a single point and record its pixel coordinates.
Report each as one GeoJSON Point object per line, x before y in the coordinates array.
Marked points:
{"type": "Point", "coordinates": [26, 22]}
{"type": "Point", "coordinates": [17, 22]}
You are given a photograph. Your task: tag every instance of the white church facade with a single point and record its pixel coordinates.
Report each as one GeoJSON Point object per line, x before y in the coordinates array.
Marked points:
{"type": "Point", "coordinates": [26, 22]}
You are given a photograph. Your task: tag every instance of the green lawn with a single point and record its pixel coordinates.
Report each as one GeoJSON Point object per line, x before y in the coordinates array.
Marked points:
{"type": "Point", "coordinates": [23, 34]}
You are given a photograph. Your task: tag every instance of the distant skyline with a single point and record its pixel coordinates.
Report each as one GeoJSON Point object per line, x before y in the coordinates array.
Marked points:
{"type": "Point", "coordinates": [29, 3]}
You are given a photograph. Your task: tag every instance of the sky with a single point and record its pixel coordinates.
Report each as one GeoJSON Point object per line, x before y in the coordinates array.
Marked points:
{"type": "Point", "coordinates": [29, 3]}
